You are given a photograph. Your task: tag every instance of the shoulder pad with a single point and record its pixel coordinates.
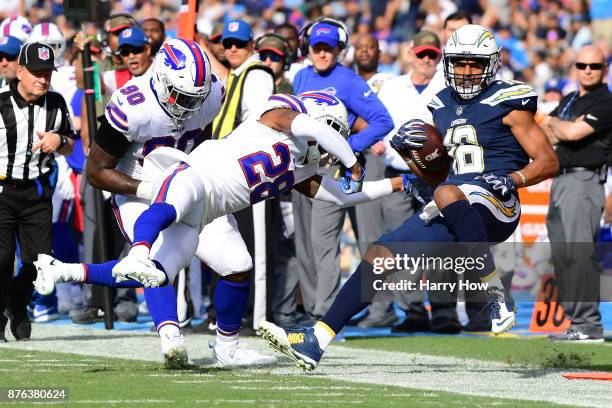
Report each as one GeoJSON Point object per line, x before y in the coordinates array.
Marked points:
{"type": "Point", "coordinates": [435, 103]}
{"type": "Point", "coordinates": [515, 94]}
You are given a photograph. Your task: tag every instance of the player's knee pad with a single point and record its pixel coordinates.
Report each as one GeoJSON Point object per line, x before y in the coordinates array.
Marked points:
{"type": "Point", "coordinates": [175, 248]}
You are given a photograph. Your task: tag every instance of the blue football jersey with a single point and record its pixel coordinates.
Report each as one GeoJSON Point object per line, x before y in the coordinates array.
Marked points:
{"type": "Point", "coordinates": [480, 142]}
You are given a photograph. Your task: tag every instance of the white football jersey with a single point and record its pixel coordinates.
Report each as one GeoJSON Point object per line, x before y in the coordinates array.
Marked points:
{"type": "Point", "coordinates": [135, 112]}
{"type": "Point", "coordinates": [252, 163]}
{"type": "Point", "coordinates": [63, 81]}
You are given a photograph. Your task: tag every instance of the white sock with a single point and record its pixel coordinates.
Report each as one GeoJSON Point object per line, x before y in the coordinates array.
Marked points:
{"type": "Point", "coordinates": [169, 330]}
{"type": "Point", "coordinates": [324, 334]}
{"type": "Point", "coordinates": [225, 340]}
{"type": "Point", "coordinates": [75, 272]}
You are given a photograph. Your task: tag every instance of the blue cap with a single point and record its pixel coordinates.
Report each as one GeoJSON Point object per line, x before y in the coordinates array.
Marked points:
{"type": "Point", "coordinates": [10, 45]}
{"type": "Point", "coordinates": [238, 29]}
{"type": "Point", "coordinates": [133, 36]}
{"type": "Point", "coordinates": [324, 33]}
{"type": "Point", "coordinates": [555, 84]}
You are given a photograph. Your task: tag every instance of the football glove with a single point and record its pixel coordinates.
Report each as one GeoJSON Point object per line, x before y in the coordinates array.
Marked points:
{"type": "Point", "coordinates": [350, 186]}
{"type": "Point", "coordinates": [411, 135]}
{"type": "Point", "coordinates": [504, 185]}
{"type": "Point", "coordinates": [410, 190]}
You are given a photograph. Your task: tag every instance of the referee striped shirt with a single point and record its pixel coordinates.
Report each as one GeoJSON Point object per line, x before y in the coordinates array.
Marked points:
{"type": "Point", "coordinates": [19, 123]}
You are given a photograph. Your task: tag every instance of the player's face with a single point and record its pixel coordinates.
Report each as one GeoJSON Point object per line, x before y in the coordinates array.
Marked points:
{"type": "Point", "coordinates": [236, 51]}
{"type": "Point", "coordinates": [323, 56]}
{"type": "Point", "coordinates": [367, 53]}
{"type": "Point", "coordinates": [8, 66]}
{"type": "Point", "coordinates": [137, 60]}
{"type": "Point", "coordinates": [590, 67]}
{"type": "Point", "coordinates": [425, 63]}
{"type": "Point", "coordinates": [468, 73]}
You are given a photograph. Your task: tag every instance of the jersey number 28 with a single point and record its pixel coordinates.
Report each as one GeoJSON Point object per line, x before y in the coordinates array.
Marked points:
{"type": "Point", "coordinates": [280, 180]}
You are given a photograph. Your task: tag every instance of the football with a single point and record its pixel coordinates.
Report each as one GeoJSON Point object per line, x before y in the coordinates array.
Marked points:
{"type": "Point", "coordinates": [432, 157]}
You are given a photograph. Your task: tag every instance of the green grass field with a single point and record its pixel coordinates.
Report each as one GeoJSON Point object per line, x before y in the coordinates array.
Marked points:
{"type": "Point", "coordinates": [96, 381]}
{"type": "Point", "coordinates": [527, 351]}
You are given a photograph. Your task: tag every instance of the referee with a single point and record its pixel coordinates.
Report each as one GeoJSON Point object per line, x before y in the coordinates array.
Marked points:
{"type": "Point", "coordinates": [34, 123]}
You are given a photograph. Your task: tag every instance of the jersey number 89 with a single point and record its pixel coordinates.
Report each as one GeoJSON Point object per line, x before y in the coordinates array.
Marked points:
{"type": "Point", "coordinates": [467, 153]}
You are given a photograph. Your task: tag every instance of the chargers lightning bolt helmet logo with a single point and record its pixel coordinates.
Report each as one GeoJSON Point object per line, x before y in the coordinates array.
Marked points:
{"type": "Point", "coordinates": [175, 59]}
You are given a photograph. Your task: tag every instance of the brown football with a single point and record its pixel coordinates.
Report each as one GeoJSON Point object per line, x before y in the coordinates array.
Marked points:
{"type": "Point", "coordinates": [432, 157]}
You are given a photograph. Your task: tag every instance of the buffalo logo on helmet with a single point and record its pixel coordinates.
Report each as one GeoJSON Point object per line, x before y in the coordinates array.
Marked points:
{"type": "Point", "coordinates": [320, 98]}
{"type": "Point", "coordinates": [174, 59]}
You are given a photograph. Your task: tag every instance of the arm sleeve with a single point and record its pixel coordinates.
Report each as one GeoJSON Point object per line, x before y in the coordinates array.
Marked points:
{"type": "Point", "coordinates": [330, 191]}
{"type": "Point", "coordinates": [364, 102]}
{"type": "Point", "coordinates": [258, 86]}
{"type": "Point", "coordinates": [599, 116]}
{"type": "Point", "coordinates": [303, 126]}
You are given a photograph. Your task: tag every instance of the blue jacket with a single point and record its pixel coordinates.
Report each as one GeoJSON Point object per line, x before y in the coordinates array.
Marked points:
{"type": "Point", "coordinates": [356, 95]}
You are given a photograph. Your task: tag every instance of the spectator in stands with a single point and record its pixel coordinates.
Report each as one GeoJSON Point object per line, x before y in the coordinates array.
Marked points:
{"type": "Point", "coordinates": [9, 51]}
{"type": "Point", "coordinates": [155, 30]}
{"type": "Point", "coordinates": [274, 53]}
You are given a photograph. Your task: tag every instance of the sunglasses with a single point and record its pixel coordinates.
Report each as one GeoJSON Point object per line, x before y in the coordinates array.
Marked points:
{"type": "Point", "coordinates": [595, 66]}
{"type": "Point", "coordinates": [126, 51]}
{"type": "Point", "coordinates": [274, 57]}
{"type": "Point", "coordinates": [9, 58]}
{"type": "Point", "coordinates": [227, 44]}
{"type": "Point", "coordinates": [428, 53]}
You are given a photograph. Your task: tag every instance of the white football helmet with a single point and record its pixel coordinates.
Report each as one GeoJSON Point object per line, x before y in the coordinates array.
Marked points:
{"type": "Point", "coordinates": [470, 42]}
{"type": "Point", "coordinates": [181, 78]}
{"type": "Point", "coordinates": [326, 108]}
{"type": "Point", "coordinates": [16, 26]}
{"type": "Point", "coordinates": [50, 34]}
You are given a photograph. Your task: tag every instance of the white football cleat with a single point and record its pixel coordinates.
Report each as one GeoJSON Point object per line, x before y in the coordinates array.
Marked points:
{"type": "Point", "coordinates": [49, 271]}
{"type": "Point", "coordinates": [502, 308]}
{"type": "Point", "coordinates": [236, 355]}
{"type": "Point", "coordinates": [174, 351]}
{"type": "Point", "coordinates": [141, 271]}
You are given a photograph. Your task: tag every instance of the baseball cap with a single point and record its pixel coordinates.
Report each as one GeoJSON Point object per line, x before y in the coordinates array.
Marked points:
{"type": "Point", "coordinates": [217, 32]}
{"type": "Point", "coordinates": [554, 85]}
{"type": "Point", "coordinates": [133, 36]}
{"type": "Point", "coordinates": [238, 29]}
{"type": "Point", "coordinates": [324, 33]}
{"type": "Point", "coordinates": [118, 22]}
{"type": "Point", "coordinates": [10, 45]}
{"type": "Point", "coordinates": [425, 40]}
{"type": "Point", "coordinates": [37, 57]}
{"type": "Point", "coordinates": [274, 44]}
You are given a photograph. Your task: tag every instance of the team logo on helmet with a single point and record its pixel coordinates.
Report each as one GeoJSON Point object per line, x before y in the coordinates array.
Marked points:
{"type": "Point", "coordinates": [320, 98]}
{"type": "Point", "coordinates": [175, 59]}
{"type": "Point", "coordinates": [43, 53]}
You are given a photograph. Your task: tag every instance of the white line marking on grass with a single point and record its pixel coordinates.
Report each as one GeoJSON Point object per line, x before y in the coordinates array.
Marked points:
{"type": "Point", "coordinates": [432, 373]}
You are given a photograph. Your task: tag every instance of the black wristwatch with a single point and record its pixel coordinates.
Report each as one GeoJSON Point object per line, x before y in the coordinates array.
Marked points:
{"type": "Point", "coordinates": [63, 141]}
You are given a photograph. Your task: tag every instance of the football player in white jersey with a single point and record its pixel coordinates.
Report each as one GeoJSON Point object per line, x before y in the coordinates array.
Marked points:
{"type": "Point", "coordinates": [171, 107]}
{"type": "Point", "coordinates": [261, 159]}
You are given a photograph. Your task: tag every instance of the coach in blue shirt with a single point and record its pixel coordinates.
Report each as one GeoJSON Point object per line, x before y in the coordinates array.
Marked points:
{"type": "Point", "coordinates": [318, 225]}
{"type": "Point", "coordinates": [326, 74]}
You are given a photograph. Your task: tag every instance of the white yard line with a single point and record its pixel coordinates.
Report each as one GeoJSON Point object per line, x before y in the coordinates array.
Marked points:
{"type": "Point", "coordinates": [463, 376]}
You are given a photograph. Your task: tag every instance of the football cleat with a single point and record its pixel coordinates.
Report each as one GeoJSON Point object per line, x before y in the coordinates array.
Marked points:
{"type": "Point", "coordinates": [236, 355]}
{"type": "Point", "coordinates": [502, 308]}
{"type": "Point", "coordinates": [143, 271]}
{"type": "Point", "coordinates": [49, 271]}
{"type": "Point", "coordinates": [298, 343]}
{"type": "Point", "coordinates": [174, 351]}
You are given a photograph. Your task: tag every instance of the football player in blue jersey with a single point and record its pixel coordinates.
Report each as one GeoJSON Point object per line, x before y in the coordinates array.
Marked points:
{"type": "Point", "coordinates": [496, 147]}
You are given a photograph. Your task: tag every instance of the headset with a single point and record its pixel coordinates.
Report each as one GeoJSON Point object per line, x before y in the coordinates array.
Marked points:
{"type": "Point", "coordinates": [343, 33]}
{"type": "Point", "coordinates": [286, 57]}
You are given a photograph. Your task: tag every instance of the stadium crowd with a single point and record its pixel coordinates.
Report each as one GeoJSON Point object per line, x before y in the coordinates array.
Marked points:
{"type": "Point", "coordinates": [297, 274]}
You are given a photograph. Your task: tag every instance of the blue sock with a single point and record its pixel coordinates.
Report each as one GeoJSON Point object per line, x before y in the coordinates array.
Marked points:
{"type": "Point", "coordinates": [162, 305]}
{"type": "Point", "coordinates": [102, 274]}
{"type": "Point", "coordinates": [151, 222]}
{"type": "Point", "coordinates": [465, 223]}
{"type": "Point", "coordinates": [230, 302]}
{"type": "Point", "coordinates": [356, 294]}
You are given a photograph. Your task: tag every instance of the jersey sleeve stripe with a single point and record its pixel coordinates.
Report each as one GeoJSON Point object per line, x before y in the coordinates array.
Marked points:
{"type": "Point", "coordinates": [117, 121]}
{"type": "Point", "coordinates": [199, 61]}
{"type": "Point", "coordinates": [119, 112]}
